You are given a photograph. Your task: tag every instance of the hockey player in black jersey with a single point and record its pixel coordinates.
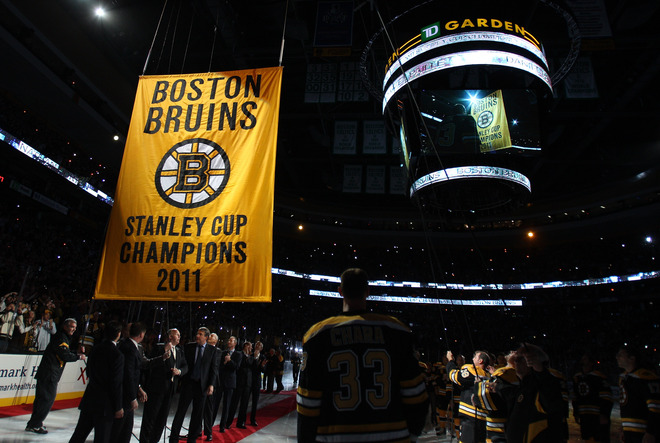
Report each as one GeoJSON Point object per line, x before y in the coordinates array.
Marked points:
{"type": "Point", "coordinates": [639, 395]}
{"type": "Point", "coordinates": [592, 402]}
{"type": "Point", "coordinates": [359, 379]}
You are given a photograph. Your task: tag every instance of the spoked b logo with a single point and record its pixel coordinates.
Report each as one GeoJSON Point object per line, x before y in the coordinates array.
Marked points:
{"type": "Point", "coordinates": [192, 173]}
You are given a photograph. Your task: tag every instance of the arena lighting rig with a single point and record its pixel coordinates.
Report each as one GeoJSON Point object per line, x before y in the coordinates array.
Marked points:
{"type": "Point", "coordinates": [465, 87]}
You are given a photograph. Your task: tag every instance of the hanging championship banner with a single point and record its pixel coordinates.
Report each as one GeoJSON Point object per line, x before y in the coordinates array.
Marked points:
{"type": "Point", "coordinates": [489, 114]}
{"type": "Point", "coordinates": [193, 213]}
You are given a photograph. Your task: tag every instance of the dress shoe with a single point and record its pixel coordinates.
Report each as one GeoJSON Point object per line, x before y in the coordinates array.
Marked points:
{"type": "Point", "coordinates": [222, 430]}
{"type": "Point", "coordinates": [228, 426]}
{"type": "Point", "coordinates": [39, 430]}
{"type": "Point", "coordinates": [241, 426]}
{"type": "Point", "coordinates": [209, 438]}
{"type": "Point", "coordinates": [253, 423]}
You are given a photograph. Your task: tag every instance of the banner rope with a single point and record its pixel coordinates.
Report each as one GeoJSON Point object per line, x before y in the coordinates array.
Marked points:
{"type": "Point", "coordinates": [153, 41]}
{"type": "Point", "coordinates": [286, 12]}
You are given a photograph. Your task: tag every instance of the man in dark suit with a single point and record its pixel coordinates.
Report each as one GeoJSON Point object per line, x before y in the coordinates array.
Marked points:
{"type": "Point", "coordinates": [230, 362]}
{"type": "Point", "coordinates": [101, 402]}
{"type": "Point", "coordinates": [134, 362]}
{"type": "Point", "coordinates": [160, 384]}
{"type": "Point", "coordinates": [197, 386]}
{"type": "Point", "coordinates": [50, 371]}
{"type": "Point", "coordinates": [241, 395]}
{"type": "Point", "coordinates": [212, 404]}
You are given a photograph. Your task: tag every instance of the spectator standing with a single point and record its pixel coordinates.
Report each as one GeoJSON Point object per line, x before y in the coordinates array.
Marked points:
{"type": "Point", "coordinates": [44, 330]}
{"type": "Point", "coordinates": [10, 320]}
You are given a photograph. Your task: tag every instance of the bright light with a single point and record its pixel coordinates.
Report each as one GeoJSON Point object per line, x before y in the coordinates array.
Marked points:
{"type": "Point", "coordinates": [115, 138]}
{"type": "Point", "coordinates": [99, 12]}
{"type": "Point", "coordinates": [300, 227]}
{"type": "Point", "coordinates": [472, 98]}
{"type": "Point", "coordinates": [514, 122]}
{"type": "Point", "coordinates": [530, 234]}
{"type": "Point", "coordinates": [649, 239]}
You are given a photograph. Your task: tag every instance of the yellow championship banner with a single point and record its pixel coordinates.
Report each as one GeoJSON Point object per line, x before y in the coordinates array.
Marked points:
{"type": "Point", "coordinates": [489, 114]}
{"type": "Point", "coordinates": [193, 212]}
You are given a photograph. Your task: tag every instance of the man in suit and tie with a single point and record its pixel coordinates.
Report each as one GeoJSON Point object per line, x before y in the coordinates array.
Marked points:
{"type": "Point", "coordinates": [102, 400]}
{"type": "Point", "coordinates": [241, 394]}
{"type": "Point", "coordinates": [197, 385]}
{"type": "Point", "coordinates": [134, 362]}
{"type": "Point", "coordinates": [160, 384]}
{"type": "Point", "coordinates": [212, 404]}
{"type": "Point", "coordinates": [230, 362]}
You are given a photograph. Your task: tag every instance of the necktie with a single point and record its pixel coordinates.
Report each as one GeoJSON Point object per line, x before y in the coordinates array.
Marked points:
{"type": "Point", "coordinates": [197, 369]}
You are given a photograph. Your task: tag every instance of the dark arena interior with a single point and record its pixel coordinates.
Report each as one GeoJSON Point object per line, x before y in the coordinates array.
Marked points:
{"type": "Point", "coordinates": [566, 260]}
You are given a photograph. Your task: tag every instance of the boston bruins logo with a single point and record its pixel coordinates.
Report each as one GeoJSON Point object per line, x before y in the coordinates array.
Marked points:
{"type": "Point", "coordinates": [485, 119]}
{"type": "Point", "coordinates": [192, 173]}
{"type": "Point", "coordinates": [583, 389]}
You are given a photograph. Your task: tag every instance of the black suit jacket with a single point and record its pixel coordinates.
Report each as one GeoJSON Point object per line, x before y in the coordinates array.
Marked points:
{"type": "Point", "coordinates": [228, 370]}
{"type": "Point", "coordinates": [209, 370]}
{"type": "Point", "coordinates": [105, 369]}
{"type": "Point", "coordinates": [159, 377]}
{"type": "Point", "coordinates": [244, 372]}
{"type": "Point", "coordinates": [134, 362]}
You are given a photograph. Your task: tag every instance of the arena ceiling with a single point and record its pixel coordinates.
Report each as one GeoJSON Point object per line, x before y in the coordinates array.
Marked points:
{"type": "Point", "coordinates": [601, 154]}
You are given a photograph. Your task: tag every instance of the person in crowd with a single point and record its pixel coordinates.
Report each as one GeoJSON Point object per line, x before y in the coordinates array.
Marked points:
{"type": "Point", "coordinates": [639, 397]}
{"type": "Point", "coordinates": [212, 403]}
{"type": "Point", "coordinates": [538, 399]}
{"type": "Point", "coordinates": [44, 329]}
{"type": "Point", "coordinates": [160, 384]}
{"type": "Point", "coordinates": [27, 341]}
{"type": "Point", "coordinates": [101, 403]}
{"type": "Point", "coordinates": [473, 418]}
{"type": "Point", "coordinates": [295, 365]}
{"type": "Point", "coordinates": [197, 386]}
{"type": "Point", "coordinates": [259, 364]}
{"type": "Point", "coordinates": [497, 396]}
{"type": "Point", "coordinates": [387, 401]}
{"type": "Point", "coordinates": [50, 371]}
{"type": "Point", "coordinates": [134, 363]}
{"type": "Point", "coordinates": [241, 395]}
{"type": "Point", "coordinates": [11, 319]}
{"type": "Point", "coordinates": [592, 401]}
